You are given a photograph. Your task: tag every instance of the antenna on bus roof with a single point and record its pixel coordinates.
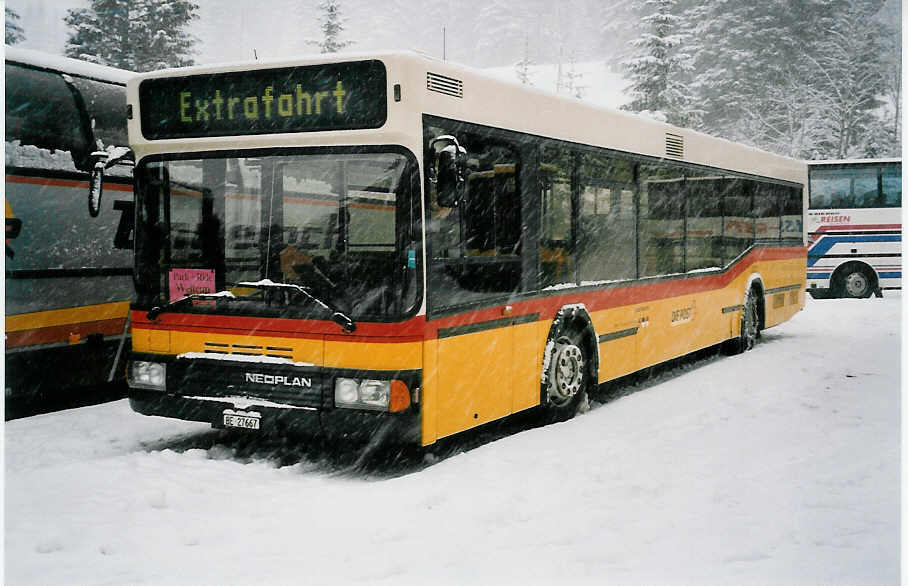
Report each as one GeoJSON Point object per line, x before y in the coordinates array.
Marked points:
{"type": "Point", "coordinates": [255, 54]}
{"type": "Point", "coordinates": [444, 44]}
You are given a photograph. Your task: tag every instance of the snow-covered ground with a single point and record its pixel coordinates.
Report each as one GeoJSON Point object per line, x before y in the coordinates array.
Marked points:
{"type": "Point", "coordinates": [780, 466]}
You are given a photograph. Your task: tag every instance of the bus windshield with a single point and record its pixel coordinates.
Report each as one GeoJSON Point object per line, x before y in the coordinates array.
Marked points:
{"type": "Point", "coordinates": [338, 225]}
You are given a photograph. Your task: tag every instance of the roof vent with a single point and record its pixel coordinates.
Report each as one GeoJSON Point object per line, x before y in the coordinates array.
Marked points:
{"type": "Point", "coordinates": [674, 145]}
{"type": "Point", "coordinates": [444, 85]}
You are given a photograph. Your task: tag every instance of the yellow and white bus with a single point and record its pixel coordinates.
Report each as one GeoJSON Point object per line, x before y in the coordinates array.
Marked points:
{"type": "Point", "coordinates": [362, 244]}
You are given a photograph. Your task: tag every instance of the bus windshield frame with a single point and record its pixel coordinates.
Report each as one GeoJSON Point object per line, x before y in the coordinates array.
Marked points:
{"type": "Point", "coordinates": [343, 223]}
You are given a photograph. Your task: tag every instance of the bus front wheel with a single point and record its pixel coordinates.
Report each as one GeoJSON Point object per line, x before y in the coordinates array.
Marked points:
{"type": "Point", "coordinates": [567, 378]}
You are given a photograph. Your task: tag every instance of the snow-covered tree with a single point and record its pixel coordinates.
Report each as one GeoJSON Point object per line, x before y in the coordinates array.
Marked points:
{"type": "Point", "coordinates": [890, 16]}
{"type": "Point", "coordinates": [849, 78]}
{"type": "Point", "coordinates": [162, 27]}
{"type": "Point", "coordinates": [14, 32]}
{"type": "Point", "coordinates": [332, 24]}
{"type": "Point", "coordinates": [657, 67]}
{"type": "Point", "coordinates": [798, 77]}
{"type": "Point", "coordinates": [572, 79]}
{"type": "Point", "coordinates": [140, 35]}
{"type": "Point", "coordinates": [522, 67]}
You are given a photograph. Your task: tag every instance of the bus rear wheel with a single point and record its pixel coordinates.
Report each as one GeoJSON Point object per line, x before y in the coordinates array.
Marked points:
{"type": "Point", "coordinates": [750, 323]}
{"type": "Point", "coordinates": [567, 378]}
{"type": "Point", "coordinates": [855, 283]}
{"type": "Point", "coordinates": [750, 327]}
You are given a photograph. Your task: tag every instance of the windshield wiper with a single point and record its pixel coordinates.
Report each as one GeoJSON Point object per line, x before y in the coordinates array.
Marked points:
{"type": "Point", "coordinates": [337, 316]}
{"type": "Point", "coordinates": [156, 311]}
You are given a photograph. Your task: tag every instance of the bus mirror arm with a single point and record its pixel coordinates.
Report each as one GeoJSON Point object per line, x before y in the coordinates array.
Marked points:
{"type": "Point", "coordinates": [101, 160]}
{"type": "Point", "coordinates": [448, 169]}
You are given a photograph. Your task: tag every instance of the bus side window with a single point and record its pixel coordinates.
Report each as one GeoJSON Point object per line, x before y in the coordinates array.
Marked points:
{"type": "Point", "coordinates": [892, 186]}
{"type": "Point", "coordinates": [703, 229]}
{"type": "Point", "coordinates": [475, 246]}
{"type": "Point", "coordinates": [737, 217]}
{"type": "Point", "coordinates": [556, 249]}
{"type": "Point", "coordinates": [607, 218]}
{"type": "Point", "coordinates": [792, 213]}
{"type": "Point", "coordinates": [41, 112]}
{"type": "Point", "coordinates": [766, 210]}
{"type": "Point", "coordinates": [661, 220]}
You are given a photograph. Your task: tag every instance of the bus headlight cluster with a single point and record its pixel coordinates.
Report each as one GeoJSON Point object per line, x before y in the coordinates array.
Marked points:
{"type": "Point", "coordinates": [147, 375]}
{"type": "Point", "coordinates": [375, 395]}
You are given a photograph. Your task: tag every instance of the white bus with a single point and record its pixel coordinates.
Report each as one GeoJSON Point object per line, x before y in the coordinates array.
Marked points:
{"type": "Point", "coordinates": [68, 275]}
{"type": "Point", "coordinates": [854, 227]}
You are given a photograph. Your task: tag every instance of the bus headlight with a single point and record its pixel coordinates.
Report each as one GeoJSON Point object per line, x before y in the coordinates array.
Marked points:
{"type": "Point", "coordinates": [375, 395]}
{"type": "Point", "coordinates": [147, 375]}
{"type": "Point", "coordinates": [346, 392]}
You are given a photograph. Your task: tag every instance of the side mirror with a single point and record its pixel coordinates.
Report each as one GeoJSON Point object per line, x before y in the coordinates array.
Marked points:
{"type": "Point", "coordinates": [101, 160]}
{"type": "Point", "coordinates": [447, 170]}
{"type": "Point", "coordinates": [96, 183]}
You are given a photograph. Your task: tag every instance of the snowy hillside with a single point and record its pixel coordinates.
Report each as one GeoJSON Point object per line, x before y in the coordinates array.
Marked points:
{"type": "Point", "coordinates": [780, 466]}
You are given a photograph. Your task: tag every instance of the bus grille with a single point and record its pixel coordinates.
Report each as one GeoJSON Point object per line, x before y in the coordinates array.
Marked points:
{"type": "Point", "coordinates": [300, 387]}
{"type": "Point", "coordinates": [674, 145]}
{"type": "Point", "coordinates": [248, 350]}
{"type": "Point", "coordinates": [444, 85]}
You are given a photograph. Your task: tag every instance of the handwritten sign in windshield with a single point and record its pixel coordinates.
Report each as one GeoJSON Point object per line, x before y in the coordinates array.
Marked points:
{"type": "Point", "coordinates": [334, 96]}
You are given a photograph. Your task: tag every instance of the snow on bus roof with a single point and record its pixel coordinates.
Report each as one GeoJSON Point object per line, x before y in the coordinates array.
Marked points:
{"type": "Point", "coordinates": [855, 161]}
{"type": "Point", "coordinates": [67, 65]}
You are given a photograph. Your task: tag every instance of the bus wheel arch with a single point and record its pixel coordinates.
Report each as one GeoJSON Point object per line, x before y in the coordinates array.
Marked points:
{"type": "Point", "coordinates": [570, 365]}
{"type": "Point", "coordinates": [854, 279]}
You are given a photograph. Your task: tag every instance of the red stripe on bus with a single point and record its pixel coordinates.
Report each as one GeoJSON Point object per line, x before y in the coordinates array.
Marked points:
{"type": "Point", "coordinates": [827, 228]}
{"type": "Point", "coordinates": [418, 328]}
{"type": "Point", "coordinates": [110, 186]}
{"type": "Point", "coordinates": [65, 333]}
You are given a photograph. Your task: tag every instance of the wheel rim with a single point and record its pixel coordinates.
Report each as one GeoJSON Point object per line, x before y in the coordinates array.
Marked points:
{"type": "Point", "coordinates": [856, 284]}
{"type": "Point", "coordinates": [566, 376]}
{"type": "Point", "coordinates": [749, 327]}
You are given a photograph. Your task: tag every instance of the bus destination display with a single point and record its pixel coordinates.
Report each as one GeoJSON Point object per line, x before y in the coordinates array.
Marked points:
{"type": "Point", "coordinates": [336, 96]}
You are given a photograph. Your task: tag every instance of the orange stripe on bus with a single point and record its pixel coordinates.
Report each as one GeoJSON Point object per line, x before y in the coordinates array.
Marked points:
{"type": "Point", "coordinates": [72, 333]}
{"type": "Point", "coordinates": [66, 317]}
{"type": "Point", "coordinates": [110, 186]}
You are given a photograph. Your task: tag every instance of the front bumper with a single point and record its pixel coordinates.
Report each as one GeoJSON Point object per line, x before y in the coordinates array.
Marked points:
{"type": "Point", "coordinates": [336, 424]}
{"type": "Point", "coordinates": [202, 390]}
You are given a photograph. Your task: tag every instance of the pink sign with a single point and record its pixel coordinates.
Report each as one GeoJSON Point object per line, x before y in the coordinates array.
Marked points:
{"type": "Point", "coordinates": [185, 282]}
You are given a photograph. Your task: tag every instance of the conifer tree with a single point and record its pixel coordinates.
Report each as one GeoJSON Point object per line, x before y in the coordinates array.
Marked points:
{"type": "Point", "coordinates": [572, 79]}
{"type": "Point", "coordinates": [14, 32]}
{"type": "Point", "coordinates": [797, 77]}
{"type": "Point", "coordinates": [139, 35]}
{"type": "Point", "coordinates": [522, 67]}
{"type": "Point", "coordinates": [332, 24]}
{"type": "Point", "coordinates": [850, 80]}
{"type": "Point", "coordinates": [656, 70]}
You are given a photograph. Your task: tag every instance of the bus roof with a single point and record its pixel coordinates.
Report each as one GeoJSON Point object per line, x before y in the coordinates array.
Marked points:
{"type": "Point", "coordinates": [489, 100]}
{"type": "Point", "coordinates": [66, 65]}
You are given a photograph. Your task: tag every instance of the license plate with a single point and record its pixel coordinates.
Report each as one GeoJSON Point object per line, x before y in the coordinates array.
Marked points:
{"type": "Point", "coordinates": [241, 421]}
